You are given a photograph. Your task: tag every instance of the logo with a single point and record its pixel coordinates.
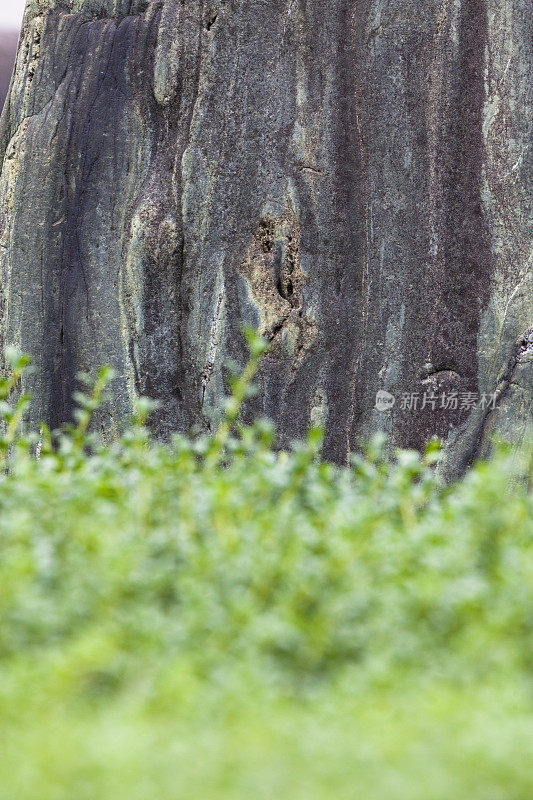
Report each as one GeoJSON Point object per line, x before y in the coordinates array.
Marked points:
{"type": "Point", "coordinates": [384, 400]}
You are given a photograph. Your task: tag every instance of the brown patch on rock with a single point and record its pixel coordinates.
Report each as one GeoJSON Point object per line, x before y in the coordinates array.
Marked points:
{"type": "Point", "coordinates": [273, 273]}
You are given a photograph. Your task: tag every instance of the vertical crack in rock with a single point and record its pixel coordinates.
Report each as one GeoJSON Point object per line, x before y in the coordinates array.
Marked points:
{"type": "Point", "coordinates": [514, 388]}
{"type": "Point", "coordinates": [213, 343]}
{"type": "Point", "coordinates": [522, 351]}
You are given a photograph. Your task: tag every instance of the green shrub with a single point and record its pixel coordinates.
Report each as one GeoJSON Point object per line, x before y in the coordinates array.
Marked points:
{"type": "Point", "coordinates": [303, 630]}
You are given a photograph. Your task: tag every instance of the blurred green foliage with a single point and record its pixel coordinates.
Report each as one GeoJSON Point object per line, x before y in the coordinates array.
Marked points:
{"type": "Point", "coordinates": [214, 618]}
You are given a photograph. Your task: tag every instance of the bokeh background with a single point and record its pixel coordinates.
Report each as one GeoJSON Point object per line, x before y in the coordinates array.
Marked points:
{"type": "Point", "coordinates": [11, 12]}
{"type": "Point", "coordinates": [10, 18]}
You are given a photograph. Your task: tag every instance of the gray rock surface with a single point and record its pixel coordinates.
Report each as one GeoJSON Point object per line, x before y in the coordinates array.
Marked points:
{"type": "Point", "coordinates": [351, 177]}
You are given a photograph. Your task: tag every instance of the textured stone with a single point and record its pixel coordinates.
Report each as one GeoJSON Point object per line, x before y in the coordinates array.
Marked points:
{"type": "Point", "coordinates": [352, 178]}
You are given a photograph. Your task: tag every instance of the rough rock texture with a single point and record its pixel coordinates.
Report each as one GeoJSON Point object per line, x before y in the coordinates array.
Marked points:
{"type": "Point", "coordinates": [351, 177]}
{"type": "Point", "coordinates": [8, 50]}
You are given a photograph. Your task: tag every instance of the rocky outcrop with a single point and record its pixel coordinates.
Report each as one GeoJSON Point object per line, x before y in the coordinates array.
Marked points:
{"type": "Point", "coordinates": [352, 178]}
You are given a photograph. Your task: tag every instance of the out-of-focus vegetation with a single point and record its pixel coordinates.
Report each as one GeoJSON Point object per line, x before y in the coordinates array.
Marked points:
{"type": "Point", "coordinates": [215, 619]}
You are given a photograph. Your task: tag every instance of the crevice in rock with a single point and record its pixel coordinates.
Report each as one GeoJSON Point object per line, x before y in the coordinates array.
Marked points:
{"type": "Point", "coordinates": [310, 168]}
{"type": "Point", "coordinates": [430, 372]}
{"type": "Point", "coordinates": [211, 22]}
{"type": "Point", "coordinates": [523, 347]}
{"type": "Point", "coordinates": [207, 372]}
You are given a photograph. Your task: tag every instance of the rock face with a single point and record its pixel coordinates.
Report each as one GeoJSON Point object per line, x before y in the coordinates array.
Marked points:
{"type": "Point", "coordinates": [351, 177]}
{"type": "Point", "coordinates": [8, 49]}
